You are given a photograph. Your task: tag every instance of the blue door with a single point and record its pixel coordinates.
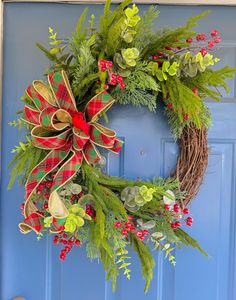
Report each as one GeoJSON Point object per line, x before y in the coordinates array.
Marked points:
{"type": "Point", "coordinates": [31, 269]}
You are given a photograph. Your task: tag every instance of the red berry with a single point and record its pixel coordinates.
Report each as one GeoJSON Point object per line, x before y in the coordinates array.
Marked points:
{"type": "Point", "coordinates": [119, 79]}
{"type": "Point", "coordinates": [46, 195]}
{"type": "Point", "coordinates": [186, 117]}
{"type": "Point", "coordinates": [139, 233]}
{"type": "Point", "coordinates": [56, 239]}
{"type": "Point", "coordinates": [122, 85]}
{"type": "Point", "coordinates": [67, 249]}
{"type": "Point", "coordinates": [65, 236]}
{"type": "Point", "coordinates": [124, 232]}
{"type": "Point", "coordinates": [65, 242]}
{"type": "Point", "coordinates": [73, 197]}
{"type": "Point", "coordinates": [141, 238]}
{"type": "Point", "coordinates": [155, 57]}
{"type": "Point", "coordinates": [70, 243]}
{"type": "Point", "coordinates": [106, 86]}
{"type": "Point", "coordinates": [38, 192]}
{"type": "Point", "coordinates": [45, 206]}
{"type": "Point", "coordinates": [214, 32]}
{"type": "Point", "coordinates": [176, 208]}
{"type": "Point", "coordinates": [168, 48]}
{"type": "Point", "coordinates": [195, 91]}
{"type": "Point", "coordinates": [185, 211]}
{"type": "Point", "coordinates": [22, 206]}
{"type": "Point", "coordinates": [130, 218]}
{"type": "Point", "coordinates": [113, 82]}
{"type": "Point", "coordinates": [77, 242]}
{"type": "Point", "coordinates": [201, 37]}
{"type": "Point", "coordinates": [109, 64]}
{"type": "Point", "coordinates": [177, 224]}
{"type": "Point", "coordinates": [48, 184]}
{"type": "Point", "coordinates": [167, 207]}
{"type": "Point", "coordinates": [170, 105]}
{"type": "Point", "coordinates": [117, 224]}
{"type": "Point", "coordinates": [113, 76]}
{"type": "Point", "coordinates": [128, 225]}
{"type": "Point", "coordinates": [145, 232]}
{"type": "Point", "coordinates": [81, 194]}
{"type": "Point", "coordinates": [173, 226]}
{"type": "Point", "coordinates": [211, 44]}
{"type": "Point", "coordinates": [62, 257]}
{"type": "Point", "coordinates": [102, 63]}
{"type": "Point", "coordinates": [217, 40]}
{"type": "Point", "coordinates": [189, 40]}
{"type": "Point", "coordinates": [189, 221]}
{"type": "Point", "coordinates": [203, 51]}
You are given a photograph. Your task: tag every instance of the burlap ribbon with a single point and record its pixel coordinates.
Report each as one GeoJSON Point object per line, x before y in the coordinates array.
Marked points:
{"type": "Point", "coordinates": [71, 137]}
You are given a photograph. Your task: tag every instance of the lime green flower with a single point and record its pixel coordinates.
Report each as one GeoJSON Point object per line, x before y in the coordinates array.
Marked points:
{"type": "Point", "coordinates": [131, 19]}
{"type": "Point", "coordinates": [130, 55]}
{"type": "Point", "coordinates": [47, 221]}
{"type": "Point", "coordinates": [75, 218]}
{"type": "Point", "coordinates": [146, 193]}
{"type": "Point", "coordinates": [72, 222]}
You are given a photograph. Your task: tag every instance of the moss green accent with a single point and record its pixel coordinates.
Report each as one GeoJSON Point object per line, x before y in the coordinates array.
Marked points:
{"type": "Point", "coordinates": [77, 166]}
{"type": "Point", "coordinates": [106, 97]}
{"type": "Point", "coordinates": [40, 175]}
{"type": "Point", "coordinates": [57, 77]}
{"type": "Point", "coordinates": [92, 153]}
{"type": "Point", "coordinates": [37, 102]}
{"type": "Point", "coordinates": [61, 221]}
{"type": "Point", "coordinates": [46, 120]}
{"type": "Point", "coordinates": [62, 154]}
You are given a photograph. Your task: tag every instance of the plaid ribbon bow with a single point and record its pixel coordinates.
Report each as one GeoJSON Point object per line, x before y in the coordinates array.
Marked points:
{"type": "Point", "coordinates": [71, 136]}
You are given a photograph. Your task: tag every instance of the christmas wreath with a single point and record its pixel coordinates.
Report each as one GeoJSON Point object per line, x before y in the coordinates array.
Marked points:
{"type": "Point", "coordinates": [126, 61]}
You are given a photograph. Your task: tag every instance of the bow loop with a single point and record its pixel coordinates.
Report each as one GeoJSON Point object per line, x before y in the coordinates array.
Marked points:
{"type": "Point", "coordinates": [62, 91]}
{"type": "Point", "coordinates": [98, 105]}
{"type": "Point", "coordinates": [71, 136]}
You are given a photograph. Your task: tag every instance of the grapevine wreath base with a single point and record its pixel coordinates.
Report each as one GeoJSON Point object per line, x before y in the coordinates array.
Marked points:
{"type": "Point", "coordinates": [126, 61]}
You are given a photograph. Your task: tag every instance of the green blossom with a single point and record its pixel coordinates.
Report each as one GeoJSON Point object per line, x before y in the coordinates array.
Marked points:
{"type": "Point", "coordinates": [48, 221]}
{"type": "Point", "coordinates": [132, 20]}
{"type": "Point", "coordinates": [75, 218]}
{"type": "Point", "coordinates": [191, 64]}
{"type": "Point", "coordinates": [72, 222]}
{"type": "Point", "coordinates": [136, 197]}
{"type": "Point", "coordinates": [162, 72]}
{"type": "Point", "coordinates": [130, 55]}
{"type": "Point", "coordinates": [146, 193]}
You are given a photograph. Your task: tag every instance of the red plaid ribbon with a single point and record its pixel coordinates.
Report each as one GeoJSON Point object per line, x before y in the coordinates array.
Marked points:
{"type": "Point", "coordinates": [71, 136]}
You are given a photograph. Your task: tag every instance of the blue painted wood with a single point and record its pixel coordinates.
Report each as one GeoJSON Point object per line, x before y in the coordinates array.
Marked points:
{"type": "Point", "coordinates": [31, 268]}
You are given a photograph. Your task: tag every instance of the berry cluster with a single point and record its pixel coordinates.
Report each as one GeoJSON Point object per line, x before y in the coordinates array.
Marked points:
{"type": "Point", "coordinates": [157, 56]}
{"type": "Point", "coordinates": [105, 65]}
{"type": "Point", "coordinates": [129, 227]}
{"type": "Point", "coordinates": [90, 211]}
{"type": "Point", "coordinates": [177, 215]}
{"type": "Point", "coordinates": [210, 41]}
{"type": "Point", "coordinates": [67, 242]}
{"type": "Point", "coordinates": [116, 79]}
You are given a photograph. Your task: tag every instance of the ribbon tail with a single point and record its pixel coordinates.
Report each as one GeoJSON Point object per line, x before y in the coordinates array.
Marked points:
{"type": "Point", "coordinates": [33, 222]}
{"type": "Point", "coordinates": [47, 165]}
{"type": "Point", "coordinates": [68, 170]}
